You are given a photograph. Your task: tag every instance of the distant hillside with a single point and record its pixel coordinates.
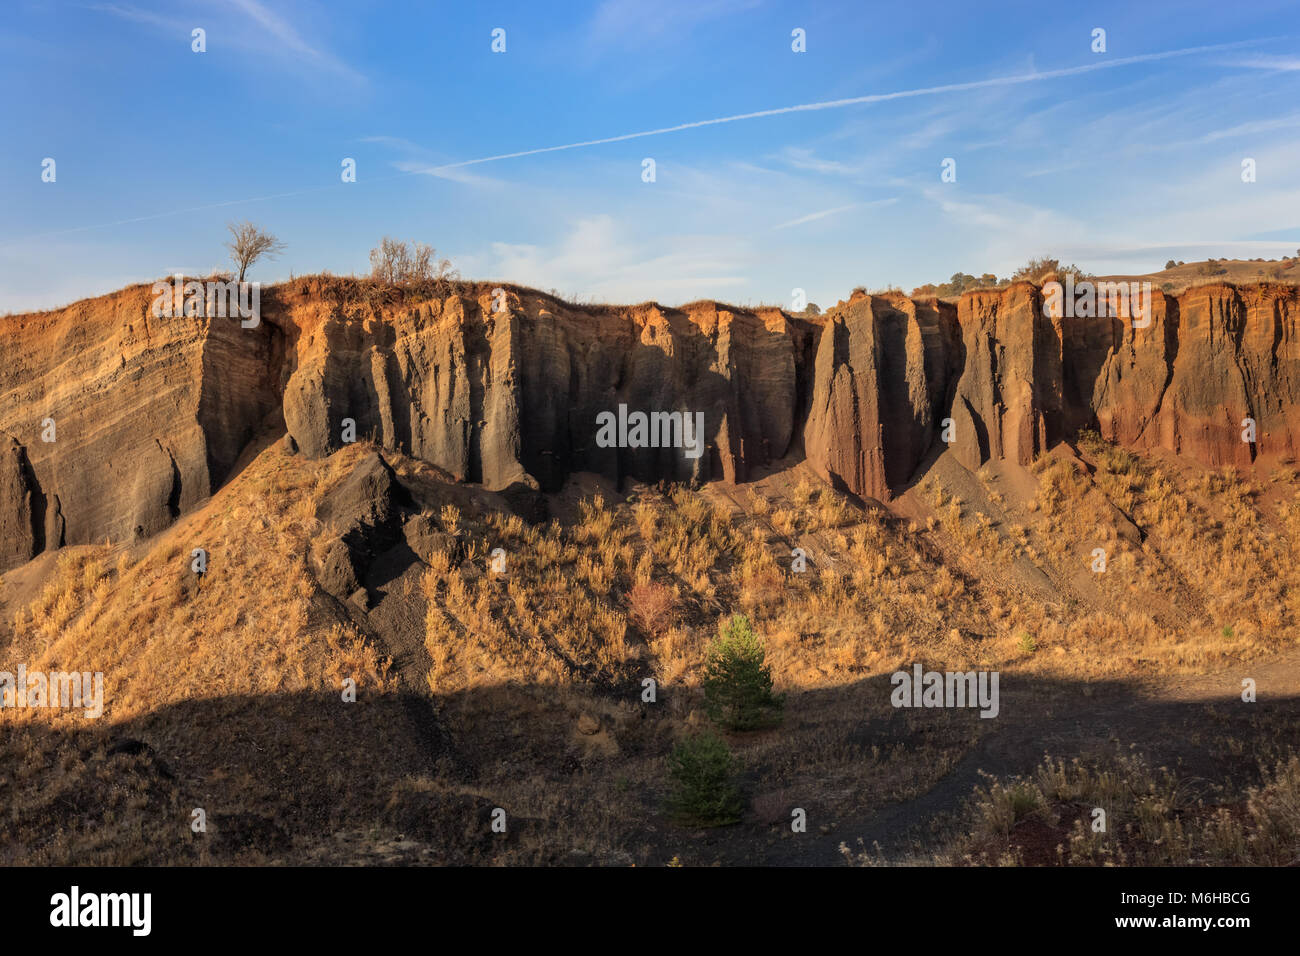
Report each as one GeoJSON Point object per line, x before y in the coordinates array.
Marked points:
{"type": "Point", "coordinates": [1175, 279]}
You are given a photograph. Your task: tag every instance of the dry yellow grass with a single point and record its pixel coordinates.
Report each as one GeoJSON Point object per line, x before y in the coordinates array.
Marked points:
{"type": "Point", "coordinates": [539, 665]}
{"type": "Point", "coordinates": [1152, 817]}
{"type": "Point", "coordinates": [161, 633]}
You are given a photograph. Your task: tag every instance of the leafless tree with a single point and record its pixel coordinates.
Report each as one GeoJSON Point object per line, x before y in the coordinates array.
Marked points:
{"type": "Point", "coordinates": [249, 243]}
{"type": "Point", "coordinates": [400, 263]}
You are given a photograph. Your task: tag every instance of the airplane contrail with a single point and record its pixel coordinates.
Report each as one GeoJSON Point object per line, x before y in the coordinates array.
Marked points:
{"type": "Point", "coordinates": [861, 100]}
{"type": "Point", "coordinates": [1014, 80]}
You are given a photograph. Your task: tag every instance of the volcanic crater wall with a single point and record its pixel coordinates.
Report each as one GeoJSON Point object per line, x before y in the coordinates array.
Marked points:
{"type": "Point", "coordinates": [511, 396]}
{"type": "Point", "coordinates": [113, 422]}
{"type": "Point", "coordinates": [151, 414]}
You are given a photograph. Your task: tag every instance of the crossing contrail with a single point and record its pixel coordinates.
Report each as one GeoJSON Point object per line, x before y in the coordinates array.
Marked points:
{"type": "Point", "coordinates": [862, 100]}
{"type": "Point", "coordinates": [1015, 80]}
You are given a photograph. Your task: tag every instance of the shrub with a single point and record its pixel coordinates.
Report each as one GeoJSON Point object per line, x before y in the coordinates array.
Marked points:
{"type": "Point", "coordinates": [737, 682]}
{"type": "Point", "coordinates": [704, 790]}
{"type": "Point", "coordinates": [651, 606]}
{"type": "Point", "coordinates": [1037, 270]}
{"type": "Point", "coordinates": [450, 518]}
{"type": "Point", "coordinates": [1007, 804]}
{"type": "Point", "coordinates": [399, 263]}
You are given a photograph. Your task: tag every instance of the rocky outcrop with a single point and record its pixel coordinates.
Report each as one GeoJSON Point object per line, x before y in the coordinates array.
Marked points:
{"type": "Point", "coordinates": [362, 518]}
{"type": "Point", "coordinates": [1009, 397]}
{"type": "Point", "coordinates": [22, 507]}
{"type": "Point", "coordinates": [882, 385]}
{"type": "Point", "coordinates": [114, 422]}
{"type": "Point", "coordinates": [425, 538]}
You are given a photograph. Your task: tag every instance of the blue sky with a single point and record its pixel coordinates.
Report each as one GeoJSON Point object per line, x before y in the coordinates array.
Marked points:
{"type": "Point", "coordinates": [1117, 160]}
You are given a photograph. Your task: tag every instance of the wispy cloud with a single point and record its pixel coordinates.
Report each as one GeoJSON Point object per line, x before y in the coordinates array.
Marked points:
{"type": "Point", "coordinates": [801, 157]}
{"type": "Point", "coordinates": [1253, 128]}
{"type": "Point", "coordinates": [271, 32]}
{"type": "Point", "coordinates": [1262, 61]}
{"type": "Point", "coordinates": [1034, 77]}
{"type": "Point", "coordinates": [961, 209]}
{"type": "Point", "coordinates": [419, 162]}
{"type": "Point", "coordinates": [289, 39]}
{"type": "Point", "coordinates": [463, 176]}
{"type": "Point", "coordinates": [128, 12]}
{"type": "Point", "coordinates": [822, 214]}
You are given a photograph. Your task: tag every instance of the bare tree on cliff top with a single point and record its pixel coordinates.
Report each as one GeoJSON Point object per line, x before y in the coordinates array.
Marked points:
{"type": "Point", "coordinates": [248, 244]}
{"type": "Point", "coordinates": [399, 263]}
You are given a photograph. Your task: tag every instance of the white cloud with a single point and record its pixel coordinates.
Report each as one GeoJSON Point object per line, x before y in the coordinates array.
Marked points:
{"type": "Point", "coordinates": [600, 259]}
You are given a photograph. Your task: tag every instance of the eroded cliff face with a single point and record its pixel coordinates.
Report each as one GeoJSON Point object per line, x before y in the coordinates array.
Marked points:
{"type": "Point", "coordinates": [114, 422]}
{"type": "Point", "coordinates": [151, 414]}
{"type": "Point", "coordinates": [1212, 358]}
{"type": "Point", "coordinates": [512, 396]}
{"type": "Point", "coordinates": [882, 384]}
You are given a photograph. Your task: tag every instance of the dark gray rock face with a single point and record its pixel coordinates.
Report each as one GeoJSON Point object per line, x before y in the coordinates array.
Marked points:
{"type": "Point", "coordinates": [362, 519]}
{"type": "Point", "coordinates": [425, 538]}
{"type": "Point", "coordinates": [22, 521]}
{"type": "Point", "coordinates": [124, 420]}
